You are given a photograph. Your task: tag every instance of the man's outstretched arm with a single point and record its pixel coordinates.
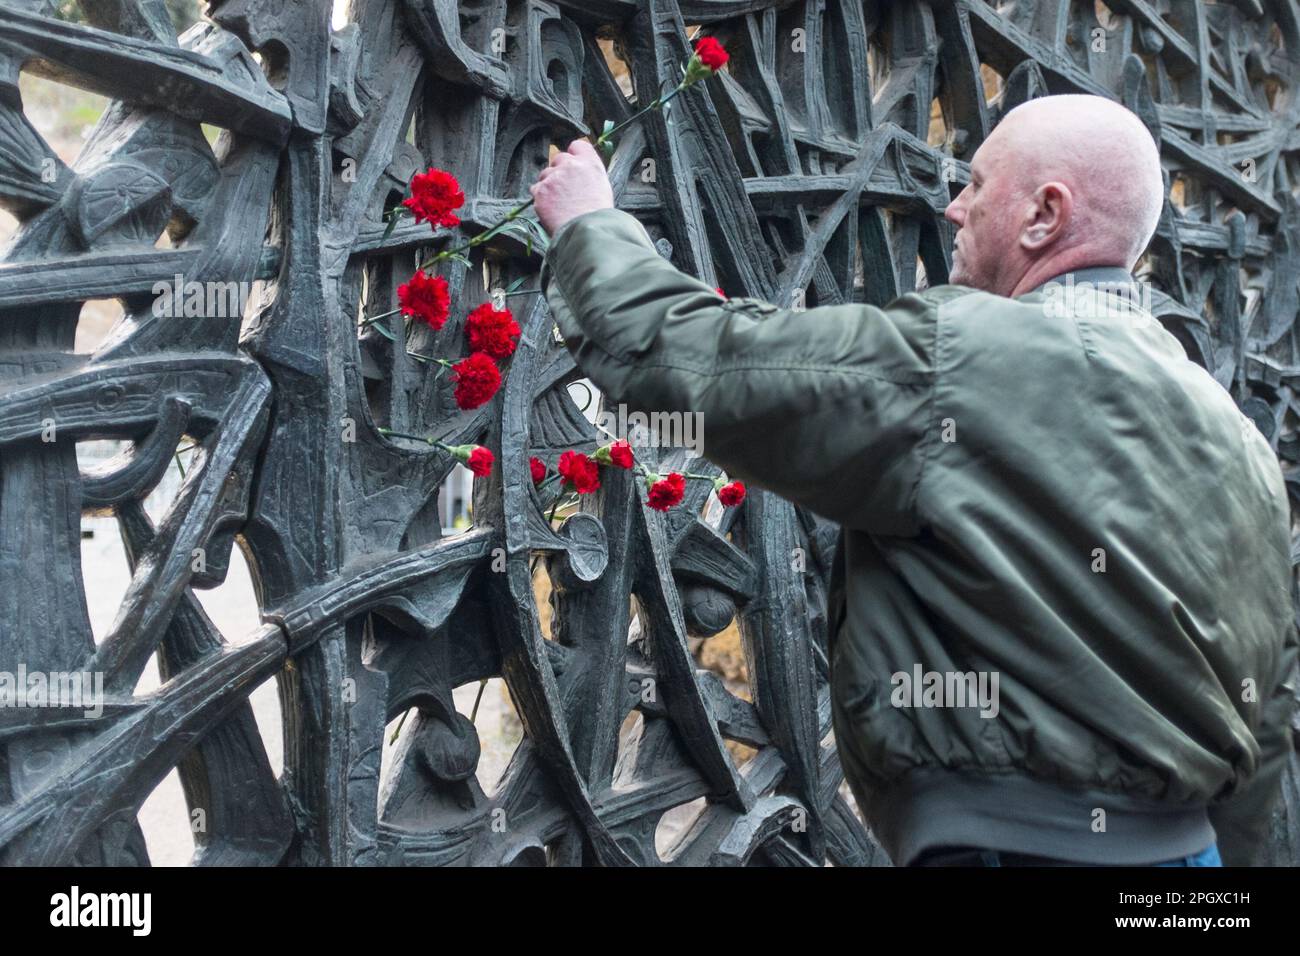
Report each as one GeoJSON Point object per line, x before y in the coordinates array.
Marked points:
{"type": "Point", "coordinates": [827, 407]}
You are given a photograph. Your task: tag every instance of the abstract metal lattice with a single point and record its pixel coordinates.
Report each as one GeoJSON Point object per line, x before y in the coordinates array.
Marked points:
{"type": "Point", "coordinates": [817, 167]}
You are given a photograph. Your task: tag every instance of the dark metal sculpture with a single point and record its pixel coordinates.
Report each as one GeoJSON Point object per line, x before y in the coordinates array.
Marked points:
{"type": "Point", "coordinates": [815, 170]}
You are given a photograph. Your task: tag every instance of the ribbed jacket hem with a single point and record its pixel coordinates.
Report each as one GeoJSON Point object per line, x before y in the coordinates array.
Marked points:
{"type": "Point", "coordinates": [1019, 814]}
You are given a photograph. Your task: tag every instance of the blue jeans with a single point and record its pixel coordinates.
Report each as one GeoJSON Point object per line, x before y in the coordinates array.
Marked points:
{"type": "Point", "coordinates": [1207, 857]}
{"type": "Point", "coordinates": [972, 856]}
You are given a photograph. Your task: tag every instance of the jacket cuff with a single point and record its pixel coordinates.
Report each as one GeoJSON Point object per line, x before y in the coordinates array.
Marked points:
{"type": "Point", "coordinates": [564, 237]}
{"type": "Point", "coordinates": [591, 257]}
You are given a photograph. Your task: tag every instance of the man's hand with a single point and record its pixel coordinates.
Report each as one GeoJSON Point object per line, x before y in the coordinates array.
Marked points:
{"type": "Point", "coordinates": [574, 183]}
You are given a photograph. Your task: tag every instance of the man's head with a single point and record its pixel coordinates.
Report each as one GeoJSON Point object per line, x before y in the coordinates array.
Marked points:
{"type": "Point", "coordinates": [1063, 182]}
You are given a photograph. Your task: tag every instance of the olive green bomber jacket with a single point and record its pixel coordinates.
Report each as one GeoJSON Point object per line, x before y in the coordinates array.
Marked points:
{"type": "Point", "coordinates": [1052, 497]}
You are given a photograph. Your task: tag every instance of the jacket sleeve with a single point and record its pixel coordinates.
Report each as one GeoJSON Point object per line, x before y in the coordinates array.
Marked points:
{"type": "Point", "coordinates": [1242, 820]}
{"type": "Point", "coordinates": [827, 407]}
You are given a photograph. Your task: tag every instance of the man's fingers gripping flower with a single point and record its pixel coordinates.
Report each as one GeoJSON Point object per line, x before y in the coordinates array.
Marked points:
{"type": "Point", "coordinates": [585, 152]}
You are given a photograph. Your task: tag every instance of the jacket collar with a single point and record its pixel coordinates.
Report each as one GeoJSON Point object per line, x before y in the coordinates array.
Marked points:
{"type": "Point", "coordinates": [1094, 275]}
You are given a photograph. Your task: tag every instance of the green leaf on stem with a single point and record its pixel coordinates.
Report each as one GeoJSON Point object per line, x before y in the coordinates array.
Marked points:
{"type": "Point", "coordinates": [527, 231]}
{"type": "Point", "coordinates": [392, 224]}
{"type": "Point", "coordinates": [513, 227]}
{"type": "Point", "coordinates": [383, 330]}
{"type": "Point", "coordinates": [539, 237]}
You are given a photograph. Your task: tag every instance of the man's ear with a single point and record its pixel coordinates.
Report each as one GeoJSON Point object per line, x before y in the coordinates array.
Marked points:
{"type": "Point", "coordinates": [1051, 209]}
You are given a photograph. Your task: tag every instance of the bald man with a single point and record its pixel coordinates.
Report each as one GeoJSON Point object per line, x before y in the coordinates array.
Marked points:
{"type": "Point", "coordinates": [1061, 623]}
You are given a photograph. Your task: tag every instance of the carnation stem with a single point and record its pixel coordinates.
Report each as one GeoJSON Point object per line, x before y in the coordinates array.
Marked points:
{"type": "Point", "coordinates": [473, 716]}
{"type": "Point", "coordinates": [659, 103]}
{"type": "Point", "coordinates": [482, 237]}
{"type": "Point", "coordinates": [478, 240]}
{"type": "Point", "coordinates": [398, 729]}
{"type": "Point", "coordinates": [442, 364]}
{"type": "Point", "coordinates": [555, 507]}
{"type": "Point", "coordinates": [388, 432]}
{"type": "Point", "coordinates": [396, 434]}
{"type": "Point", "coordinates": [370, 320]}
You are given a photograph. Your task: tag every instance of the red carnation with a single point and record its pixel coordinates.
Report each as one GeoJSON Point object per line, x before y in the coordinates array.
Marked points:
{"type": "Point", "coordinates": [720, 292]}
{"type": "Point", "coordinates": [579, 472]}
{"type": "Point", "coordinates": [433, 197]}
{"type": "Point", "coordinates": [538, 469]}
{"type": "Point", "coordinates": [480, 461]}
{"type": "Point", "coordinates": [492, 330]}
{"type": "Point", "coordinates": [620, 453]}
{"type": "Point", "coordinates": [732, 494]}
{"type": "Point", "coordinates": [667, 492]}
{"type": "Point", "coordinates": [711, 53]}
{"type": "Point", "coordinates": [425, 297]}
{"type": "Point", "coordinates": [474, 457]}
{"type": "Point", "coordinates": [477, 380]}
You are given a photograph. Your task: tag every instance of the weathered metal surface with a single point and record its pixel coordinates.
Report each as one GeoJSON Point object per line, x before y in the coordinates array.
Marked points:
{"type": "Point", "coordinates": [814, 170]}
